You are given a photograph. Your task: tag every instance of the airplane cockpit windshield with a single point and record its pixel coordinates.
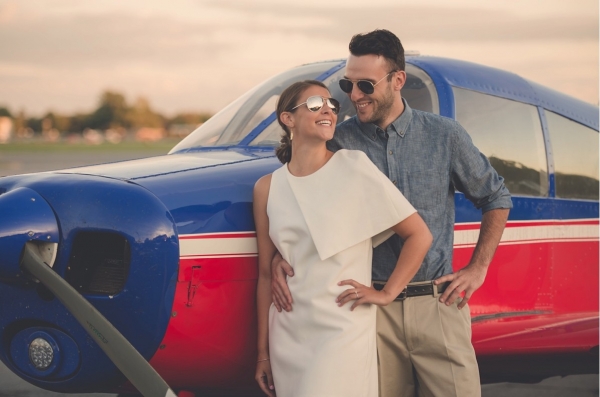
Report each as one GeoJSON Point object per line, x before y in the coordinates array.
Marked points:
{"type": "Point", "coordinates": [232, 125]}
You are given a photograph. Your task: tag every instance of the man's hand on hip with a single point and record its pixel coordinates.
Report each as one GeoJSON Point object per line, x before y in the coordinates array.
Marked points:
{"type": "Point", "coordinates": [467, 280]}
{"type": "Point", "coordinates": [282, 297]}
{"type": "Point", "coordinates": [472, 276]}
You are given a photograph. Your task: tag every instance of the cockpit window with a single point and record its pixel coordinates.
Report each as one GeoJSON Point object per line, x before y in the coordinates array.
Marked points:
{"type": "Point", "coordinates": [232, 124]}
{"type": "Point", "coordinates": [575, 153]}
{"type": "Point", "coordinates": [509, 133]}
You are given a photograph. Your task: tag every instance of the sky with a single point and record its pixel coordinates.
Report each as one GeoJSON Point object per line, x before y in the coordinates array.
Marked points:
{"type": "Point", "coordinates": [199, 55]}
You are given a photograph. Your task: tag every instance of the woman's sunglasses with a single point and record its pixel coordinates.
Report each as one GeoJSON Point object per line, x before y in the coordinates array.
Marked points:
{"type": "Point", "coordinates": [364, 85]}
{"type": "Point", "coordinates": [315, 103]}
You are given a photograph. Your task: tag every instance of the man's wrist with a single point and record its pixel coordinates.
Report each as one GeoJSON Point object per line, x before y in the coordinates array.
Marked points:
{"type": "Point", "coordinates": [478, 264]}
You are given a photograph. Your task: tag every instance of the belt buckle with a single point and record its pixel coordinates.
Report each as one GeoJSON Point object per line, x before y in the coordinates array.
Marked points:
{"type": "Point", "coordinates": [435, 289]}
{"type": "Point", "coordinates": [402, 295]}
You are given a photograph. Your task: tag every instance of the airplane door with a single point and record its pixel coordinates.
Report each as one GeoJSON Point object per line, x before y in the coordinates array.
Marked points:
{"type": "Point", "coordinates": [575, 177]}
{"type": "Point", "coordinates": [509, 133]}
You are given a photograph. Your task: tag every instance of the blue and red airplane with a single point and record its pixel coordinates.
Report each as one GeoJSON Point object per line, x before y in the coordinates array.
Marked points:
{"type": "Point", "coordinates": [164, 248]}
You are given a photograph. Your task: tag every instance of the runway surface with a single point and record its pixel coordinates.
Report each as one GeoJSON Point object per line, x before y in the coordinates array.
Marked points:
{"type": "Point", "coordinates": [570, 386]}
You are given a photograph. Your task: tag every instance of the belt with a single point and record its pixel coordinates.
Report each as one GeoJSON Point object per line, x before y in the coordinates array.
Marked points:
{"type": "Point", "coordinates": [421, 288]}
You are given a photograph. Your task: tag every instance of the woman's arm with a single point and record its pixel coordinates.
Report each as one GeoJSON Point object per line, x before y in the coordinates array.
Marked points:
{"type": "Point", "coordinates": [266, 250]}
{"type": "Point", "coordinates": [417, 240]}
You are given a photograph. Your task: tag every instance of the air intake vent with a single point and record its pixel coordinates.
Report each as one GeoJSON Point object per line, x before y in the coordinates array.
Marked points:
{"type": "Point", "coordinates": [99, 263]}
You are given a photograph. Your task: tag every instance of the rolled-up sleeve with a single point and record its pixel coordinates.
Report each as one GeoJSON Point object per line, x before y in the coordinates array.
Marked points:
{"type": "Point", "coordinates": [473, 175]}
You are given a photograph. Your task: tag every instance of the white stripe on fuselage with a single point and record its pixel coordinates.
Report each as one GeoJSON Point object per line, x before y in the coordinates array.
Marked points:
{"type": "Point", "coordinates": [534, 232]}
{"type": "Point", "coordinates": [243, 244]}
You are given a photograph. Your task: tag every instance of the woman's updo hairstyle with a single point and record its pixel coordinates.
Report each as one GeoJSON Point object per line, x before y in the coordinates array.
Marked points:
{"type": "Point", "coordinates": [287, 100]}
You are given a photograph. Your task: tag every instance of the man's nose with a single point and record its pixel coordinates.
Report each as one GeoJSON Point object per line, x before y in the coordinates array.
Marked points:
{"type": "Point", "coordinates": [356, 93]}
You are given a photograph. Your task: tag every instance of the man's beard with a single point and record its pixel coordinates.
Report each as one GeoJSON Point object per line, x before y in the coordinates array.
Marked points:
{"type": "Point", "coordinates": [381, 110]}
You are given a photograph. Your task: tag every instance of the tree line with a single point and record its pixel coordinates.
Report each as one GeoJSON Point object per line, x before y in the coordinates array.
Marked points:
{"type": "Point", "coordinates": [112, 112]}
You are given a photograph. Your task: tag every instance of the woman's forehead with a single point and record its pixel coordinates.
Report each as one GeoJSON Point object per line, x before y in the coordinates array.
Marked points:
{"type": "Point", "coordinates": [314, 90]}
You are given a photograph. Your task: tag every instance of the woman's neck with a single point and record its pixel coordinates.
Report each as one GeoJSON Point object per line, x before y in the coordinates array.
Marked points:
{"type": "Point", "coordinates": [307, 159]}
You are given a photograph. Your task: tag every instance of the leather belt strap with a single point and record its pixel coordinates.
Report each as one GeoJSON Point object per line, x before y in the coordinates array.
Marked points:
{"type": "Point", "coordinates": [421, 288]}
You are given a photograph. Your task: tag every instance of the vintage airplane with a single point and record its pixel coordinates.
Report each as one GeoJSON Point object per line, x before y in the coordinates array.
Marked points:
{"type": "Point", "coordinates": [164, 248]}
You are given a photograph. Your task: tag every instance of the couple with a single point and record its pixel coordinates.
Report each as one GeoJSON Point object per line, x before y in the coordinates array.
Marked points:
{"type": "Point", "coordinates": [354, 327]}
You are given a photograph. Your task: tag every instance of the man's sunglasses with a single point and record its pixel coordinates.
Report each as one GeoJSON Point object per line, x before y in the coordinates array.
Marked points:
{"type": "Point", "coordinates": [364, 85]}
{"type": "Point", "coordinates": [315, 103]}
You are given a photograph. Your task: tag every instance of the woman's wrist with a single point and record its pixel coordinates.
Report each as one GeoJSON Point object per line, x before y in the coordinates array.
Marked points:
{"type": "Point", "coordinates": [389, 297]}
{"type": "Point", "coordinates": [263, 355]}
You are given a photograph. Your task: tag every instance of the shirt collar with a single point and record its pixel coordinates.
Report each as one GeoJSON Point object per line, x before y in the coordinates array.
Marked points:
{"type": "Point", "coordinates": [399, 126]}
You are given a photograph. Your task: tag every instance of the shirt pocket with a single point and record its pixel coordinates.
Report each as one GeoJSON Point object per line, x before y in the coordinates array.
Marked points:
{"type": "Point", "coordinates": [426, 191]}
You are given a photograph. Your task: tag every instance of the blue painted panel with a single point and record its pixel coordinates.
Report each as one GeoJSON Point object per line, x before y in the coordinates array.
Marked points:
{"type": "Point", "coordinates": [166, 164]}
{"type": "Point", "coordinates": [524, 208]}
{"type": "Point", "coordinates": [531, 209]}
{"type": "Point", "coordinates": [210, 200]}
{"type": "Point", "coordinates": [576, 209]}
{"type": "Point", "coordinates": [25, 216]}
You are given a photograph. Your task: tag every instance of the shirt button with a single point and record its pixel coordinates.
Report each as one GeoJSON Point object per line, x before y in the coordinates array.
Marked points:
{"type": "Point", "coordinates": [391, 151]}
{"type": "Point", "coordinates": [394, 182]}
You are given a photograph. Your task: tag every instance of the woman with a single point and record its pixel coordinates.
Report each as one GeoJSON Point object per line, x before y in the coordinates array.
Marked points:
{"type": "Point", "coordinates": [323, 212]}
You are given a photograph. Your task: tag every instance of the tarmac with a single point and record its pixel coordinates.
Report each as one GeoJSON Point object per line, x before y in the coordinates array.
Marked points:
{"type": "Point", "coordinates": [571, 386]}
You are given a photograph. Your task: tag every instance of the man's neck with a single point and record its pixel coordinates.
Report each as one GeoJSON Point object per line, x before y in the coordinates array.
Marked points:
{"type": "Point", "coordinates": [395, 112]}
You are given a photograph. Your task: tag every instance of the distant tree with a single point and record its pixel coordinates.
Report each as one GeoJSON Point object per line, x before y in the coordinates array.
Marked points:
{"type": "Point", "coordinates": [190, 118]}
{"type": "Point", "coordinates": [5, 112]}
{"type": "Point", "coordinates": [111, 112]}
{"type": "Point", "coordinates": [142, 115]}
{"type": "Point", "coordinates": [34, 123]}
{"type": "Point", "coordinates": [20, 122]}
{"type": "Point", "coordinates": [78, 122]}
{"type": "Point", "coordinates": [60, 122]}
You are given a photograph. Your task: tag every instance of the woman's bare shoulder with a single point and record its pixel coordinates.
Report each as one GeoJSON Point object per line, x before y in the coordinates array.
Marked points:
{"type": "Point", "coordinates": [262, 186]}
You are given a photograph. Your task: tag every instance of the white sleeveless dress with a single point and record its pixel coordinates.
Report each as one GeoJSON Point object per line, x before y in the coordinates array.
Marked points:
{"type": "Point", "coordinates": [325, 225]}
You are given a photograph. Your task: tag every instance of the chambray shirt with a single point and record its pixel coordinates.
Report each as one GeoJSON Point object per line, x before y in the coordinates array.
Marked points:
{"type": "Point", "coordinates": [427, 157]}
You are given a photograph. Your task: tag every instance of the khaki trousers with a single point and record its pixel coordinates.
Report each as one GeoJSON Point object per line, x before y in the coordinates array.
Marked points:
{"type": "Point", "coordinates": [424, 349]}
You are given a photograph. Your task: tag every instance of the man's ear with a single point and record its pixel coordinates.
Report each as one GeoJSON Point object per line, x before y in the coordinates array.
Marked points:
{"type": "Point", "coordinates": [287, 118]}
{"type": "Point", "coordinates": [399, 80]}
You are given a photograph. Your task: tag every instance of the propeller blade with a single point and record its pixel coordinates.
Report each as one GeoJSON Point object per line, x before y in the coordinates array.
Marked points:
{"type": "Point", "coordinates": [117, 348]}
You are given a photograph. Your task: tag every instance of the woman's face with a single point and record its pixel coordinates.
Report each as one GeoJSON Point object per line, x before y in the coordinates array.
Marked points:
{"type": "Point", "coordinates": [318, 125]}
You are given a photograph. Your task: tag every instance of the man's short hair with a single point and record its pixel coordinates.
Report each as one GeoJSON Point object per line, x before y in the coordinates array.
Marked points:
{"type": "Point", "coordinates": [379, 42]}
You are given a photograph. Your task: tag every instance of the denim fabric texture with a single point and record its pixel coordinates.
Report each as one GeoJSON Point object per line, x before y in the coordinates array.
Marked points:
{"type": "Point", "coordinates": [427, 157]}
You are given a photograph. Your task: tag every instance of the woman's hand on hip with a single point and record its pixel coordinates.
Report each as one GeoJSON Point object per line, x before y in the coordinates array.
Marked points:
{"type": "Point", "coordinates": [361, 294]}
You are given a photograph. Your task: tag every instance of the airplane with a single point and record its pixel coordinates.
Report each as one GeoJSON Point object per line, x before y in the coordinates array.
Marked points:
{"type": "Point", "coordinates": [164, 248]}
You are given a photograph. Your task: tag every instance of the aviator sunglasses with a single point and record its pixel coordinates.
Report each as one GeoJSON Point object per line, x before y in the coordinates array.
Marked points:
{"type": "Point", "coordinates": [315, 103]}
{"type": "Point", "coordinates": [364, 85]}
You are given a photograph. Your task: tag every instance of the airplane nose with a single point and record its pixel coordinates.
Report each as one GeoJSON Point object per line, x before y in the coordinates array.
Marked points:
{"type": "Point", "coordinates": [113, 243]}
{"type": "Point", "coordinates": [25, 216]}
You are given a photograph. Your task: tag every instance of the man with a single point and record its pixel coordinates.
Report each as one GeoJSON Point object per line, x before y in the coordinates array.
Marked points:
{"type": "Point", "coordinates": [423, 340]}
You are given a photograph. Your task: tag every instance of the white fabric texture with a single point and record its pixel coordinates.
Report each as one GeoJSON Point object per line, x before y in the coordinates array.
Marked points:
{"type": "Point", "coordinates": [323, 225]}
